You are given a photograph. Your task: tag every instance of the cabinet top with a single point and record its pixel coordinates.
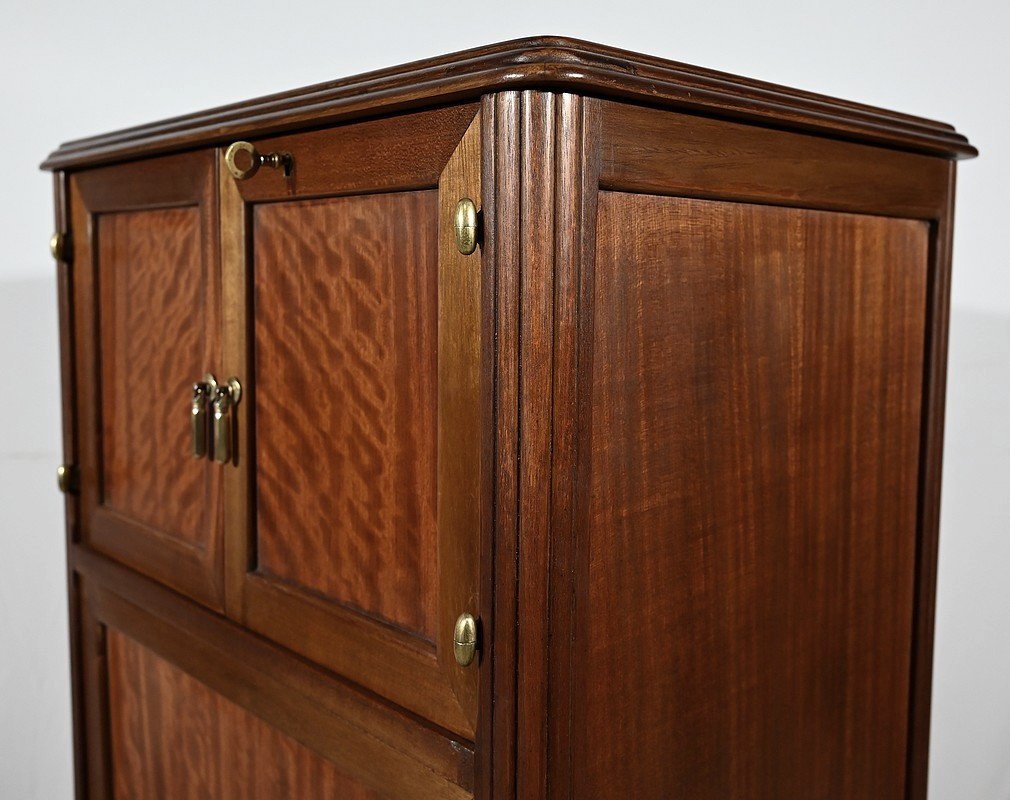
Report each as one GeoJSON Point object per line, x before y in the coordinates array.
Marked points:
{"type": "Point", "coordinates": [543, 62]}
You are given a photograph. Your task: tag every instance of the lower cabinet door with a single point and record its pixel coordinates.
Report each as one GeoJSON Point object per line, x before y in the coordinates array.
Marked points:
{"type": "Point", "coordinates": [172, 736]}
{"type": "Point", "coordinates": [184, 706]}
{"type": "Point", "coordinates": [353, 501]}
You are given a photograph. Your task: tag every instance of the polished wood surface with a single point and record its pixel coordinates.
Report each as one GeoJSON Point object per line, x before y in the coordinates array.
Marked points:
{"type": "Point", "coordinates": [367, 740]}
{"type": "Point", "coordinates": [146, 316]}
{"type": "Point", "coordinates": [365, 583]}
{"type": "Point", "coordinates": [408, 151]}
{"type": "Point", "coordinates": [346, 401]}
{"type": "Point", "coordinates": [71, 506]}
{"type": "Point", "coordinates": [931, 450]}
{"type": "Point", "coordinates": [673, 433]}
{"type": "Point", "coordinates": [174, 738]}
{"type": "Point", "coordinates": [539, 62]}
{"type": "Point", "coordinates": [463, 417]}
{"type": "Point", "coordinates": [651, 151]}
{"type": "Point", "coordinates": [752, 522]}
{"type": "Point", "coordinates": [499, 248]}
{"type": "Point", "coordinates": [152, 310]}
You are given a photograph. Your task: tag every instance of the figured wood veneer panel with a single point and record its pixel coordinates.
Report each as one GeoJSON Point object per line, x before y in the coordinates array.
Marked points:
{"type": "Point", "coordinates": [173, 738]}
{"type": "Point", "coordinates": [346, 303]}
{"type": "Point", "coordinates": [153, 332]}
{"type": "Point", "coordinates": [756, 394]}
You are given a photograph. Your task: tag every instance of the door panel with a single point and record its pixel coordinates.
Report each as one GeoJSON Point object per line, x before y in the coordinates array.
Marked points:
{"type": "Point", "coordinates": [752, 502]}
{"type": "Point", "coordinates": [151, 292]}
{"type": "Point", "coordinates": [346, 416]}
{"type": "Point", "coordinates": [339, 330]}
{"type": "Point", "coordinates": [147, 328]}
{"type": "Point", "coordinates": [181, 703]}
{"type": "Point", "coordinates": [172, 737]}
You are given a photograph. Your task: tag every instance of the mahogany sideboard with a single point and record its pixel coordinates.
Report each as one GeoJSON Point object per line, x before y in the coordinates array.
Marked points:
{"type": "Point", "coordinates": [539, 421]}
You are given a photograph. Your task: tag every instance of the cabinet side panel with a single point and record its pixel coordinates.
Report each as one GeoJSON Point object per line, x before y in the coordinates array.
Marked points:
{"type": "Point", "coordinates": [172, 736]}
{"type": "Point", "coordinates": [754, 463]}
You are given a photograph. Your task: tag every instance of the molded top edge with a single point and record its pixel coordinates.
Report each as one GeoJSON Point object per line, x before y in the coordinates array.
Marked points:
{"type": "Point", "coordinates": [548, 62]}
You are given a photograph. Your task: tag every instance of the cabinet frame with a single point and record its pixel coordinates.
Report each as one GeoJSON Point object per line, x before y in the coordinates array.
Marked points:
{"type": "Point", "coordinates": [585, 145]}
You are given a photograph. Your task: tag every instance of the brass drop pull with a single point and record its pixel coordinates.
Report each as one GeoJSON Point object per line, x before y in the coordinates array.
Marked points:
{"type": "Point", "coordinates": [198, 419]}
{"type": "Point", "coordinates": [241, 152]}
{"type": "Point", "coordinates": [464, 639]}
{"type": "Point", "coordinates": [225, 398]}
{"type": "Point", "coordinates": [203, 391]}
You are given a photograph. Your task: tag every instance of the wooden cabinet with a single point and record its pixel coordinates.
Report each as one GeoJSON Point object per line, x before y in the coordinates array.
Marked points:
{"type": "Point", "coordinates": [670, 434]}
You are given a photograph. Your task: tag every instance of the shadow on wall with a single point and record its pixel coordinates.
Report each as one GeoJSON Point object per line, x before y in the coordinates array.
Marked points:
{"type": "Point", "coordinates": [971, 726]}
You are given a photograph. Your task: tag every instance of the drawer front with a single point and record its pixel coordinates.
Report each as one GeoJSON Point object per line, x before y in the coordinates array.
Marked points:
{"type": "Point", "coordinates": [354, 325]}
{"type": "Point", "coordinates": [146, 328]}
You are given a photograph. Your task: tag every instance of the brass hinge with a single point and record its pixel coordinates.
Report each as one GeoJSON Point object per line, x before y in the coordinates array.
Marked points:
{"type": "Point", "coordinates": [464, 639]}
{"type": "Point", "coordinates": [466, 224]}
{"type": "Point", "coordinates": [66, 478]}
{"type": "Point", "coordinates": [59, 246]}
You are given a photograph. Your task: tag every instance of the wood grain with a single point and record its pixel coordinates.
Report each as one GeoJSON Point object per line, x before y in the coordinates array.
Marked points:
{"type": "Point", "coordinates": [931, 456]}
{"type": "Point", "coordinates": [397, 153]}
{"type": "Point", "coordinates": [541, 63]}
{"type": "Point", "coordinates": [146, 312]}
{"type": "Point", "coordinates": [379, 618]}
{"type": "Point", "coordinates": [345, 360]}
{"type": "Point", "coordinates": [369, 741]}
{"type": "Point", "coordinates": [68, 396]}
{"type": "Point", "coordinates": [153, 341]}
{"type": "Point", "coordinates": [174, 738]}
{"type": "Point", "coordinates": [660, 152]}
{"type": "Point", "coordinates": [462, 419]}
{"type": "Point", "coordinates": [501, 246]}
{"type": "Point", "coordinates": [753, 513]}
{"type": "Point", "coordinates": [536, 333]}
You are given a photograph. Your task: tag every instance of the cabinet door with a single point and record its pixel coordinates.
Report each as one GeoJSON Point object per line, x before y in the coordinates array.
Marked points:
{"type": "Point", "coordinates": [179, 704]}
{"type": "Point", "coordinates": [354, 326]}
{"type": "Point", "coordinates": [146, 322]}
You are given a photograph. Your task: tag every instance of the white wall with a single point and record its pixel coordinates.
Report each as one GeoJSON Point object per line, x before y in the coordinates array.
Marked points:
{"type": "Point", "coordinates": [82, 67]}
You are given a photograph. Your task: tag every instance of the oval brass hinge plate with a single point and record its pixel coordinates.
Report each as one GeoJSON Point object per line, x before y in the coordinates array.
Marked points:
{"type": "Point", "coordinates": [464, 639]}
{"type": "Point", "coordinates": [466, 223]}
{"type": "Point", "coordinates": [59, 246]}
{"type": "Point", "coordinates": [66, 478]}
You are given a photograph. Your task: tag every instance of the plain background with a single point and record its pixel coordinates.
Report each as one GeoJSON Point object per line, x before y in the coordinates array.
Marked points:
{"type": "Point", "coordinates": [76, 68]}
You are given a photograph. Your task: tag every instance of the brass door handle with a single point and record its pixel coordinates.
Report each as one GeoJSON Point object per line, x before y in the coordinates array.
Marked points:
{"type": "Point", "coordinates": [225, 398]}
{"type": "Point", "coordinates": [240, 153]}
{"type": "Point", "coordinates": [202, 392]}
